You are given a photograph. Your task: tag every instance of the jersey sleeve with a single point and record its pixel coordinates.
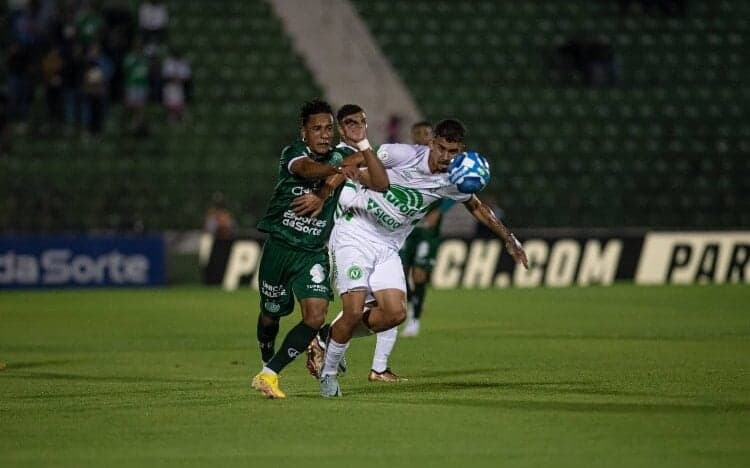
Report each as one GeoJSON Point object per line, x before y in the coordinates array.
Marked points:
{"type": "Point", "coordinates": [451, 193]}
{"type": "Point", "coordinates": [290, 154]}
{"type": "Point", "coordinates": [396, 154]}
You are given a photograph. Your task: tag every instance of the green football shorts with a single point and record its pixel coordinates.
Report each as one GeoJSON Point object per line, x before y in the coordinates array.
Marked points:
{"type": "Point", "coordinates": [287, 272]}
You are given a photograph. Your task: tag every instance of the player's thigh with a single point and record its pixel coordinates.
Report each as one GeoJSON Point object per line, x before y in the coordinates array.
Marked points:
{"type": "Point", "coordinates": [387, 273]}
{"type": "Point", "coordinates": [276, 296]}
{"type": "Point", "coordinates": [311, 278]}
{"type": "Point", "coordinates": [352, 266]}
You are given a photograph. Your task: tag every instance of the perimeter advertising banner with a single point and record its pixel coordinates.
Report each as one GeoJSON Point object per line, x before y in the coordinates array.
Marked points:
{"type": "Point", "coordinates": [554, 260]}
{"type": "Point", "coordinates": [81, 261]}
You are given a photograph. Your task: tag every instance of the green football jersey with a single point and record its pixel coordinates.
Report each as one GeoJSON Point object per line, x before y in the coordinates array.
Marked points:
{"type": "Point", "coordinates": [303, 232]}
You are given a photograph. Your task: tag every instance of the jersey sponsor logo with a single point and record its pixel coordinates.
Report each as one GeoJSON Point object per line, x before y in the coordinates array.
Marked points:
{"type": "Point", "coordinates": [383, 218]}
{"type": "Point", "coordinates": [354, 272]}
{"type": "Point", "coordinates": [317, 273]}
{"type": "Point", "coordinates": [272, 307]}
{"type": "Point", "coordinates": [304, 224]}
{"type": "Point", "coordinates": [407, 201]}
{"type": "Point", "coordinates": [298, 190]}
{"type": "Point", "coordinates": [272, 290]}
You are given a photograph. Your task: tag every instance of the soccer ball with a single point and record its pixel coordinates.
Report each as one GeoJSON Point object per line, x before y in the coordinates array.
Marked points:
{"type": "Point", "coordinates": [470, 171]}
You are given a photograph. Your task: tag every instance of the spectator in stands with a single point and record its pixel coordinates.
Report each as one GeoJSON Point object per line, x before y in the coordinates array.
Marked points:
{"type": "Point", "coordinates": [117, 40]}
{"type": "Point", "coordinates": [592, 59]}
{"type": "Point", "coordinates": [176, 74]}
{"type": "Point", "coordinates": [52, 74]}
{"type": "Point", "coordinates": [4, 128]}
{"type": "Point", "coordinates": [89, 24]}
{"type": "Point", "coordinates": [136, 88]}
{"type": "Point", "coordinates": [219, 220]}
{"type": "Point", "coordinates": [153, 20]}
{"type": "Point", "coordinates": [19, 64]}
{"type": "Point", "coordinates": [95, 89]}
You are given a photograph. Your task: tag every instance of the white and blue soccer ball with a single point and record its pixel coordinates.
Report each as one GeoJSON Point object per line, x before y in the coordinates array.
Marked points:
{"type": "Point", "coordinates": [470, 171]}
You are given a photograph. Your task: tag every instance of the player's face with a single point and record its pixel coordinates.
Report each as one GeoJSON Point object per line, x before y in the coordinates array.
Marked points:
{"type": "Point", "coordinates": [421, 135]}
{"type": "Point", "coordinates": [442, 152]}
{"type": "Point", "coordinates": [318, 133]}
{"type": "Point", "coordinates": [353, 128]}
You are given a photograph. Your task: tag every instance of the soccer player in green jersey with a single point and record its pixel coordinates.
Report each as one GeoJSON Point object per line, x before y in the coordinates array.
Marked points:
{"type": "Point", "coordinates": [295, 261]}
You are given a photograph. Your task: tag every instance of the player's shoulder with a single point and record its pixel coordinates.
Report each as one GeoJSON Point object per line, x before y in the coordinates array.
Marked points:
{"type": "Point", "coordinates": [399, 153]}
{"type": "Point", "coordinates": [295, 149]}
{"type": "Point", "coordinates": [450, 194]}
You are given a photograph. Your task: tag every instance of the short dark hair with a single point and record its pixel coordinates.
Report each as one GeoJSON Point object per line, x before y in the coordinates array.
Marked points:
{"type": "Point", "coordinates": [316, 106]}
{"type": "Point", "coordinates": [347, 109]}
{"type": "Point", "coordinates": [451, 129]}
{"type": "Point", "coordinates": [421, 123]}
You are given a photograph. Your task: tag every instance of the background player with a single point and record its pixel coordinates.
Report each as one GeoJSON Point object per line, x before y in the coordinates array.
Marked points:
{"type": "Point", "coordinates": [365, 243]}
{"type": "Point", "coordinates": [295, 260]}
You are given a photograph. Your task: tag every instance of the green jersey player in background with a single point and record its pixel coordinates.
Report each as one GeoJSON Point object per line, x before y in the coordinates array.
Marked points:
{"type": "Point", "coordinates": [295, 259]}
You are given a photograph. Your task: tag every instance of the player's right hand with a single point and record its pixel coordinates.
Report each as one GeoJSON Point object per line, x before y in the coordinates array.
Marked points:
{"type": "Point", "coordinates": [308, 204]}
{"type": "Point", "coordinates": [350, 172]}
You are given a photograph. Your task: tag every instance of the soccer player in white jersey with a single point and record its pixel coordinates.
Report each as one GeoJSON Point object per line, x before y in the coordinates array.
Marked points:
{"type": "Point", "coordinates": [352, 126]}
{"type": "Point", "coordinates": [367, 237]}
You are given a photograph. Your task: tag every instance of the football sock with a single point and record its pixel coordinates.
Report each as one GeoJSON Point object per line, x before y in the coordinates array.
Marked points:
{"type": "Point", "coordinates": [417, 298]}
{"type": "Point", "coordinates": [295, 343]}
{"type": "Point", "coordinates": [267, 338]}
{"type": "Point", "coordinates": [385, 341]}
{"type": "Point", "coordinates": [323, 334]}
{"type": "Point", "coordinates": [334, 352]}
{"type": "Point", "coordinates": [266, 370]}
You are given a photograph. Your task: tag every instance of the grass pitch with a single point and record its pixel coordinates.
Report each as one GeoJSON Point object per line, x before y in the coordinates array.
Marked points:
{"type": "Point", "coordinates": [619, 376]}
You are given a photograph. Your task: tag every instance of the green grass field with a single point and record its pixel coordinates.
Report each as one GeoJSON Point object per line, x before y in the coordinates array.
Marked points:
{"type": "Point", "coordinates": [619, 376]}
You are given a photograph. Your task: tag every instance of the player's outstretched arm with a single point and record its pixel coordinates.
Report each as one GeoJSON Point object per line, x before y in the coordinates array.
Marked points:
{"type": "Point", "coordinates": [486, 216]}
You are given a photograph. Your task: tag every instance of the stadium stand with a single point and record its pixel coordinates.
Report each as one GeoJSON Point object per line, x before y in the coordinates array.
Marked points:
{"type": "Point", "coordinates": [248, 85]}
{"type": "Point", "coordinates": [663, 141]}
{"type": "Point", "coordinates": [664, 145]}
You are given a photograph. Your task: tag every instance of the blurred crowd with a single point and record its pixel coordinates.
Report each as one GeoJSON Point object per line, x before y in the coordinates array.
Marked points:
{"type": "Point", "coordinates": [82, 56]}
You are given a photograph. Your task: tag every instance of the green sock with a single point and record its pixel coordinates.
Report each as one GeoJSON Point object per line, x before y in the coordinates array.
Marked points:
{"type": "Point", "coordinates": [266, 332]}
{"type": "Point", "coordinates": [295, 343]}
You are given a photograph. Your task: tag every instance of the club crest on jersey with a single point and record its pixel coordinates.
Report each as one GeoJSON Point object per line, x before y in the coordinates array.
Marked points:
{"type": "Point", "coordinates": [354, 272]}
{"type": "Point", "coordinates": [272, 307]}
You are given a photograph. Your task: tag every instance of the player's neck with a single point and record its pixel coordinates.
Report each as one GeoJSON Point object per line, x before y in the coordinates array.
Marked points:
{"type": "Point", "coordinates": [349, 143]}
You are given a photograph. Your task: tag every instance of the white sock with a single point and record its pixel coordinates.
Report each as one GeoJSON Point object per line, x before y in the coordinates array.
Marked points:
{"type": "Point", "coordinates": [334, 353]}
{"type": "Point", "coordinates": [384, 344]}
{"type": "Point", "coordinates": [266, 370]}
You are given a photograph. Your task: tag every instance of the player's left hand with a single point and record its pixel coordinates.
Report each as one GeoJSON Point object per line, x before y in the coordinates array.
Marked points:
{"type": "Point", "coordinates": [515, 249]}
{"type": "Point", "coordinates": [308, 204]}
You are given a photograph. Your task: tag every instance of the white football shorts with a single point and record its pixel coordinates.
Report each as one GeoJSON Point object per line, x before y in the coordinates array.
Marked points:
{"type": "Point", "coordinates": [363, 264]}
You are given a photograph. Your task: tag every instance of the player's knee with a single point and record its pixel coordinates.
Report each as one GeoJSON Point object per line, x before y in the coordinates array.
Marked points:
{"type": "Point", "coordinates": [396, 316]}
{"type": "Point", "coordinates": [314, 315]}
